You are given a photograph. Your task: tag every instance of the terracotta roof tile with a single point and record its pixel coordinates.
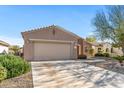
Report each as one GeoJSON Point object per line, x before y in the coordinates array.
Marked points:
{"type": "Point", "coordinates": [54, 26]}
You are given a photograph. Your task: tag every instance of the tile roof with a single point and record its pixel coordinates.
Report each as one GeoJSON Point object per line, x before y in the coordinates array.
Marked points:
{"type": "Point", "coordinates": [55, 26]}
{"type": "Point", "coordinates": [68, 31]}
{"type": "Point", "coordinates": [3, 43]}
{"type": "Point", "coordinates": [61, 28]}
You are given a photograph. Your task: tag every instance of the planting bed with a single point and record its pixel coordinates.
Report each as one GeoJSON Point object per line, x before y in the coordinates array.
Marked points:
{"type": "Point", "coordinates": [13, 71]}
{"type": "Point", "coordinates": [109, 64]}
{"type": "Point", "coordinates": [23, 81]}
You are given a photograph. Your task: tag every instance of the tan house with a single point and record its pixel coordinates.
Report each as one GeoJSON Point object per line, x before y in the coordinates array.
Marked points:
{"type": "Point", "coordinates": [105, 47]}
{"type": "Point", "coordinates": [4, 47]}
{"type": "Point", "coordinates": [53, 43]}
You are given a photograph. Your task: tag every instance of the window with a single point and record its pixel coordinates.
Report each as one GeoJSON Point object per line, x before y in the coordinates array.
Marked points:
{"type": "Point", "coordinates": [99, 50]}
{"type": "Point", "coordinates": [107, 50]}
{"type": "Point", "coordinates": [111, 50]}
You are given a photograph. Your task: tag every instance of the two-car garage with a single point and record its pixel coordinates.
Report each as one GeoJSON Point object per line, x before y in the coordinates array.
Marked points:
{"type": "Point", "coordinates": [52, 50]}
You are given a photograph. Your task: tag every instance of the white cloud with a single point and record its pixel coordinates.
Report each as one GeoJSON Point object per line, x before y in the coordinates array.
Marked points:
{"type": "Point", "coordinates": [12, 41]}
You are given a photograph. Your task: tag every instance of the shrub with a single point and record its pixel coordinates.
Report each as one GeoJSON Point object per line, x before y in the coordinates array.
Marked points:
{"type": "Point", "coordinates": [102, 55]}
{"type": "Point", "coordinates": [99, 55]}
{"type": "Point", "coordinates": [106, 55]}
{"type": "Point", "coordinates": [2, 54]}
{"type": "Point", "coordinates": [120, 59]}
{"type": "Point", "coordinates": [15, 65]}
{"type": "Point", "coordinates": [82, 57]}
{"type": "Point", "coordinates": [3, 73]}
{"type": "Point", "coordinates": [91, 51]}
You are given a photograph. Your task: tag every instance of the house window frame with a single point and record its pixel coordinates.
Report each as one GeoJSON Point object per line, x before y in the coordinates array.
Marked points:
{"type": "Point", "coordinates": [112, 50]}
{"type": "Point", "coordinates": [107, 50]}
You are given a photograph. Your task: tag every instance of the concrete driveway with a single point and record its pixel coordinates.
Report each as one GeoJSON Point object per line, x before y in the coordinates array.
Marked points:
{"type": "Point", "coordinates": [73, 74]}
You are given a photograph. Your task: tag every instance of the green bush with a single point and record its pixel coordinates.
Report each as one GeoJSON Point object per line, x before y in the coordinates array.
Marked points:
{"type": "Point", "coordinates": [3, 73]}
{"type": "Point", "coordinates": [91, 51]}
{"type": "Point", "coordinates": [15, 65]}
{"type": "Point", "coordinates": [106, 55]}
{"type": "Point", "coordinates": [102, 55]}
{"type": "Point", "coordinates": [99, 55]}
{"type": "Point", "coordinates": [82, 57]}
{"type": "Point", "coordinates": [119, 58]}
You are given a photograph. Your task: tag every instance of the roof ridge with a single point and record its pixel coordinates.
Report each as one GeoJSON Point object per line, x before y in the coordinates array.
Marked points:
{"type": "Point", "coordinates": [45, 27]}
{"type": "Point", "coordinates": [59, 27]}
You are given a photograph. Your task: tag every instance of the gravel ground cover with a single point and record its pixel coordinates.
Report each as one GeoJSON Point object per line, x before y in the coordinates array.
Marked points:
{"type": "Point", "coordinates": [23, 81]}
{"type": "Point", "coordinates": [109, 64]}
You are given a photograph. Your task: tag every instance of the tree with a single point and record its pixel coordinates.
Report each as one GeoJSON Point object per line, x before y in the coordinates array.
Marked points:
{"type": "Point", "coordinates": [91, 51]}
{"type": "Point", "coordinates": [91, 39]}
{"type": "Point", "coordinates": [15, 49]}
{"type": "Point", "coordinates": [110, 25]}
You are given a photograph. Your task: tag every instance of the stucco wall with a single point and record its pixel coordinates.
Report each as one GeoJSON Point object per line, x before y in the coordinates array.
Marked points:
{"type": "Point", "coordinates": [48, 34]}
{"type": "Point", "coordinates": [28, 51]}
{"type": "Point", "coordinates": [2, 48]}
{"type": "Point", "coordinates": [84, 45]}
{"type": "Point", "coordinates": [117, 51]}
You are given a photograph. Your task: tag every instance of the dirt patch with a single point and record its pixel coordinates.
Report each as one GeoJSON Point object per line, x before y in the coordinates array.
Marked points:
{"type": "Point", "coordinates": [23, 81]}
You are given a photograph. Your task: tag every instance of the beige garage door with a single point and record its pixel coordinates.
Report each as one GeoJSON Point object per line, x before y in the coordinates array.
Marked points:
{"type": "Point", "coordinates": [51, 51]}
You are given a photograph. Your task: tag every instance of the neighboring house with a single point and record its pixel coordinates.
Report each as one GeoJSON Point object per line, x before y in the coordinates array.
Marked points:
{"type": "Point", "coordinates": [108, 48]}
{"type": "Point", "coordinates": [4, 47]}
{"type": "Point", "coordinates": [53, 43]}
{"type": "Point", "coordinates": [10, 51]}
{"type": "Point", "coordinates": [20, 51]}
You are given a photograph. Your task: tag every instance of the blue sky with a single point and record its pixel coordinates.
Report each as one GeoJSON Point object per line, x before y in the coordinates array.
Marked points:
{"type": "Point", "coordinates": [17, 19]}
